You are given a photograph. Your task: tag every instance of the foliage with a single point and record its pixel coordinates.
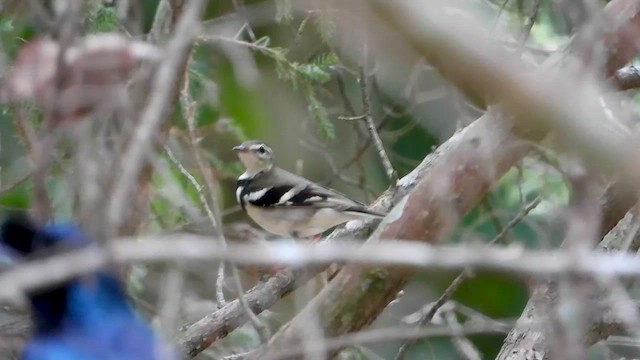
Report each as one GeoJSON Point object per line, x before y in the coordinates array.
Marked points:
{"type": "Point", "coordinates": [103, 19]}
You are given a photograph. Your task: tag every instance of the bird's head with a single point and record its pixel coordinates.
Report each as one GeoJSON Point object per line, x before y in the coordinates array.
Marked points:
{"type": "Point", "coordinates": [256, 156]}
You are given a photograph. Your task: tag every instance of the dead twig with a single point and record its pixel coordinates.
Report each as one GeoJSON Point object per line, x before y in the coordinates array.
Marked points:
{"type": "Point", "coordinates": [154, 114]}
{"type": "Point", "coordinates": [455, 284]}
{"type": "Point", "coordinates": [371, 127]}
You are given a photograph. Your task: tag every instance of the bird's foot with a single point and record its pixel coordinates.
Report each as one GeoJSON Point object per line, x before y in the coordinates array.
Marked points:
{"type": "Point", "coordinates": [271, 271]}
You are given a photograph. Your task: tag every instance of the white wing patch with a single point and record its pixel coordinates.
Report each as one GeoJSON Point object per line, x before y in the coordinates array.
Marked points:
{"type": "Point", "coordinates": [289, 194]}
{"type": "Point", "coordinates": [238, 192]}
{"type": "Point", "coordinates": [256, 194]}
{"type": "Point", "coordinates": [315, 198]}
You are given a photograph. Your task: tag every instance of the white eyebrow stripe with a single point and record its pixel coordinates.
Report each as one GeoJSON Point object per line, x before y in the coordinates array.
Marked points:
{"type": "Point", "coordinates": [289, 194]}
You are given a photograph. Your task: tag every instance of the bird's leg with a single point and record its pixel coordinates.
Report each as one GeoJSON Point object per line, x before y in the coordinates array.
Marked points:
{"type": "Point", "coordinates": [315, 238]}
{"type": "Point", "coordinates": [270, 271]}
{"type": "Point", "coordinates": [273, 270]}
{"type": "Point", "coordinates": [322, 278]}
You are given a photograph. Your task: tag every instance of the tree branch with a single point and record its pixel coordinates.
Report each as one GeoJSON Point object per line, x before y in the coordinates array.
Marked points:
{"type": "Point", "coordinates": [401, 255]}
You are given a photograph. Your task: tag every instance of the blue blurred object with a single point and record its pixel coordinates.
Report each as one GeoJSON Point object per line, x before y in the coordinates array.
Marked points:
{"type": "Point", "coordinates": [84, 318]}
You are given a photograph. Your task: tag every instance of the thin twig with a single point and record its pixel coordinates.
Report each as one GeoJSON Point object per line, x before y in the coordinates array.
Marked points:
{"type": "Point", "coordinates": [43, 148]}
{"type": "Point", "coordinates": [492, 214]}
{"type": "Point", "coordinates": [205, 204]}
{"type": "Point", "coordinates": [261, 329]}
{"type": "Point", "coordinates": [15, 184]}
{"type": "Point", "coordinates": [517, 219]}
{"type": "Point", "coordinates": [360, 152]}
{"type": "Point", "coordinates": [220, 300]}
{"type": "Point", "coordinates": [240, 9]}
{"type": "Point", "coordinates": [161, 22]}
{"type": "Point", "coordinates": [535, 10]}
{"type": "Point", "coordinates": [215, 219]}
{"type": "Point", "coordinates": [500, 11]}
{"type": "Point", "coordinates": [428, 316]}
{"type": "Point", "coordinates": [371, 126]}
{"type": "Point", "coordinates": [390, 335]}
{"type": "Point", "coordinates": [212, 214]}
{"type": "Point", "coordinates": [154, 114]}
{"type": "Point", "coordinates": [170, 301]}
{"type": "Point", "coordinates": [237, 356]}
{"type": "Point", "coordinates": [455, 284]}
{"type": "Point", "coordinates": [377, 336]}
{"type": "Point", "coordinates": [353, 118]}
{"type": "Point", "coordinates": [462, 344]}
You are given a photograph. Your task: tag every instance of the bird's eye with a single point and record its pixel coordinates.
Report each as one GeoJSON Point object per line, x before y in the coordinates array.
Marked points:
{"type": "Point", "coordinates": [262, 150]}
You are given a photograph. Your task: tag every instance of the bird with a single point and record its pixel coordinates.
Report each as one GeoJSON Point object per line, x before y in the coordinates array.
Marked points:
{"type": "Point", "coordinates": [87, 317]}
{"type": "Point", "coordinates": [286, 204]}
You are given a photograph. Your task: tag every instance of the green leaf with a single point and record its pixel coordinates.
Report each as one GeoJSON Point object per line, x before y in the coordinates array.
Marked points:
{"type": "Point", "coordinates": [6, 25]}
{"type": "Point", "coordinates": [326, 61]}
{"type": "Point", "coordinates": [319, 112]}
{"type": "Point", "coordinates": [314, 73]}
{"type": "Point", "coordinates": [18, 198]}
{"type": "Point", "coordinates": [284, 10]}
{"type": "Point", "coordinates": [103, 19]}
{"type": "Point", "coordinates": [319, 70]}
{"type": "Point", "coordinates": [325, 25]}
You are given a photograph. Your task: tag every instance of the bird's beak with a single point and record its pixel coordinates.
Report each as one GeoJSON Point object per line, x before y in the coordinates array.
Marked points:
{"type": "Point", "coordinates": [240, 148]}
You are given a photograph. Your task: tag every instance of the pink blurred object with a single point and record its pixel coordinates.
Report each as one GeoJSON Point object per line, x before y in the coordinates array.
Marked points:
{"type": "Point", "coordinates": [89, 71]}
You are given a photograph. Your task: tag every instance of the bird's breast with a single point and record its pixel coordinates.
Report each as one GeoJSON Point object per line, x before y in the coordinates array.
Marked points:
{"type": "Point", "coordinates": [299, 221]}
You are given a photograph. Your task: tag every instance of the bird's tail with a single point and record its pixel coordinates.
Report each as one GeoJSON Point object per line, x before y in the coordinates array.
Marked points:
{"type": "Point", "coordinates": [364, 212]}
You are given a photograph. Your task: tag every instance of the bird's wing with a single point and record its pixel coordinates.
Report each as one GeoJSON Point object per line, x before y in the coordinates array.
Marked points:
{"type": "Point", "coordinates": [293, 190]}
